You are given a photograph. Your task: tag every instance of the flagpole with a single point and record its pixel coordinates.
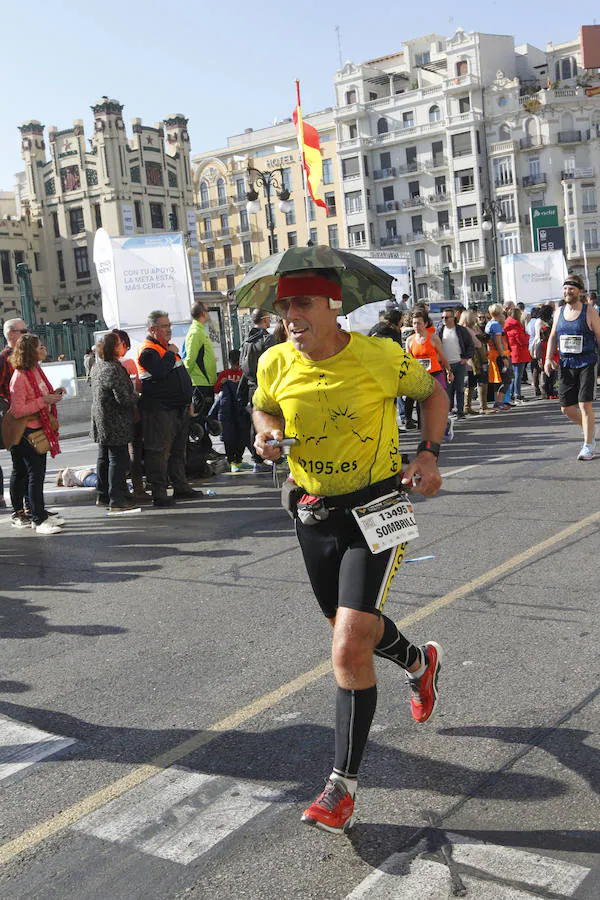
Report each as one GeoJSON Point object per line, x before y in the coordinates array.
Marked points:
{"type": "Point", "coordinates": [585, 263]}
{"type": "Point", "coordinates": [302, 160]}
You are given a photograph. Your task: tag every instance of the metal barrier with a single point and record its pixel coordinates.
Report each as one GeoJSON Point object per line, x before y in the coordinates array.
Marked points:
{"type": "Point", "coordinates": [70, 339]}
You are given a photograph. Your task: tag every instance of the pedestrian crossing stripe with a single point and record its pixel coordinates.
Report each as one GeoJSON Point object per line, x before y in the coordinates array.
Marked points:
{"type": "Point", "coordinates": [484, 871]}
{"type": "Point", "coordinates": [23, 745]}
{"type": "Point", "coordinates": [179, 814]}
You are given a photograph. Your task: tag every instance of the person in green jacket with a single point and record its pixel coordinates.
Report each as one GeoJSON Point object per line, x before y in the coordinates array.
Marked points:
{"type": "Point", "coordinates": [199, 358]}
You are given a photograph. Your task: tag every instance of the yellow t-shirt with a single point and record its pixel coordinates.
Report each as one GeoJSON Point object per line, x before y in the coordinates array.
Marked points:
{"type": "Point", "coordinates": [341, 410]}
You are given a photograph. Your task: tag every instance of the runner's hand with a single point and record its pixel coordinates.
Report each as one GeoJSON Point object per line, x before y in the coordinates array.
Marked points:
{"type": "Point", "coordinates": [428, 480]}
{"type": "Point", "coordinates": [265, 450]}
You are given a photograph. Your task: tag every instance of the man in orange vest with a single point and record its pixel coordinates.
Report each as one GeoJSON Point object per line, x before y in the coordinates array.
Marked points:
{"type": "Point", "coordinates": [165, 411]}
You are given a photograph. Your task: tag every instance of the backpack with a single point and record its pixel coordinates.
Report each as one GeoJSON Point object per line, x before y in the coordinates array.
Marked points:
{"type": "Point", "coordinates": [253, 348]}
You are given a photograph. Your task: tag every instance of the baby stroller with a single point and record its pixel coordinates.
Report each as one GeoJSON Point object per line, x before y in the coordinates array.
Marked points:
{"type": "Point", "coordinates": [202, 461]}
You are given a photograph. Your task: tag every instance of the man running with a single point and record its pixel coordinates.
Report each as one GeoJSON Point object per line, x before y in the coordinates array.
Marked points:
{"type": "Point", "coordinates": [576, 331]}
{"type": "Point", "coordinates": [334, 393]}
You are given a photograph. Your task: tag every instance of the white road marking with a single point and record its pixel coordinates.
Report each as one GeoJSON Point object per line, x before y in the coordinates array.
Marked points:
{"type": "Point", "coordinates": [178, 814]}
{"type": "Point", "coordinates": [23, 745]}
{"type": "Point", "coordinates": [476, 465]}
{"type": "Point", "coordinates": [400, 878]}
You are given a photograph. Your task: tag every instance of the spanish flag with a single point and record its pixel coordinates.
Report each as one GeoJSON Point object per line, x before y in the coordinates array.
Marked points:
{"type": "Point", "coordinates": [310, 148]}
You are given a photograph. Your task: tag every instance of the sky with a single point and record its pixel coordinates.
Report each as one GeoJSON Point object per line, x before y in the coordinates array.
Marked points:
{"type": "Point", "coordinates": [226, 66]}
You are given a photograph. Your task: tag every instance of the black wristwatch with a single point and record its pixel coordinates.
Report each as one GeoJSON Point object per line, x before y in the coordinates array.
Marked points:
{"type": "Point", "coordinates": [431, 446]}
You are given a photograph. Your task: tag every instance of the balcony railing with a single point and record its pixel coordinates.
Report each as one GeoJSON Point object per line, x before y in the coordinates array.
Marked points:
{"type": "Point", "coordinates": [569, 137]}
{"type": "Point", "coordinates": [352, 208]}
{"type": "Point", "coordinates": [504, 181]}
{"type": "Point", "coordinates": [388, 206]}
{"type": "Point", "coordinates": [589, 208]}
{"type": "Point", "coordinates": [441, 233]}
{"type": "Point", "coordinates": [379, 174]}
{"type": "Point", "coordinates": [469, 222]}
{"type": "Point", "coordinates": [390, 240]}
{"type": "Point", "coordinates": [356, 243]}
{"type": "Point", "coordinates": [224, 232]}
{"type": "Point", "coordinates": [412, 202]}
{"type": "Point", "coordinates": [245, 262]}
{"type": "Point", "coordinates": [409, 168]}
{"type": "Point", "coordinates": [414, 237]}
{"type": "Point", "coordinates": [531, 180]}
{"type": "Point", "coordinates": [527, 143]}
{"type": "Point", "coordinates": [438, 197]}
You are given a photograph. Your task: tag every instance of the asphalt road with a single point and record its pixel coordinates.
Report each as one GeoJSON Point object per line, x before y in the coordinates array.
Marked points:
{"type": "Point", "coordinates": [166, 703]}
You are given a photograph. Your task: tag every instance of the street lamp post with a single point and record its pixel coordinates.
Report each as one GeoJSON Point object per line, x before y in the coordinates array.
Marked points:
{"type": "Point", "coordinates": [492, 214]}
{"type": "Point", "coordinates": [269, 179]}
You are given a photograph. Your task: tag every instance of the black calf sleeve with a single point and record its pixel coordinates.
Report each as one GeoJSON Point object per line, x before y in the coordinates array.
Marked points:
{"type": "Point", "coordinates": [393, 645]}
{"type": "Point", "coordinates": [354, 711]}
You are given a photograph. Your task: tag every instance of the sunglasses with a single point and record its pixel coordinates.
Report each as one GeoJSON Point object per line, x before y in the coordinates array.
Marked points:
{"type": "Point", "coordinates": [20, 330]}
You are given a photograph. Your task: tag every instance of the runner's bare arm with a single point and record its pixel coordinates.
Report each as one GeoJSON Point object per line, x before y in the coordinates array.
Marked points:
{"type": "Point", "coordinates": [593, 320]}
{"type": "Point", "coordinates": [434, 414]}
{"type": "Point", "coordinates": [549, 364]}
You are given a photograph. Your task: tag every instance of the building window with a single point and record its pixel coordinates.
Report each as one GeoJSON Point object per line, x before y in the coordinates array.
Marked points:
{"type": "Point", "coordinates": [467, 216]}
{"type": "Point", "coordinates": [55, 225]}
{"type": "Point", "coordinates": [440, 185]}
{"type": "Point", "coordinates": [240, 189]}
{"type": "Point", "coordinates": [350, 167]}
{"type": "Point", "coordinates": [332, 232]}
{"type": "Point", "coordinates": [213, 284]}
{"type": "Point", "coordinates": [391, 228]}
{"type": "Point", "coordinates": [61, 265]}
{"type": "Point", "coordinates": [464, 104]}
{"type": "Point", "coordinates": [408, 119]}
{"type": "Point", "coordinates": [352, 131]}
{"type": "Point", "coordinates": [221, 193]}
{"type": "Point", "coordinates": [6, 267]}
{"type": "Point", "coordinates": [469, 251]}
{"type": "Point", "coordinates": [154, 174]}
{"type": "Point", "coordinates": [507, 205]}
{"type": "Point", "coordinates": [356, 236]}
{"type": "Point", "coordinates": [292, 238]}
{"type": "Point", "coordinates": [172, 178]}
{"type": "Point", "coordinates": [382, 126]}
{"type": "Point", "coordinates": [82, 265]}
{"type": "Point", "coordinates": [136, 175]}
{"type": "Point", "coordinates": [210, 257]}
{"type": "Point", "coordinates": [286, 179]}
{"type": "Point", "coordinates": [313, 237]}
{"type": "Point", "coordinates": [204, 201]}
{"type": "Point", "coordinates": [423, 59]}
{"type": "Point", "coordinates": [225, 223]}
{"type": "Point", "coordinates": [246, 251]}
{"type": "Point", "coordinates": [435, 114]}
{"type": "Point", "coordinates": [443, 219]}
{"type": "Point", "coordinates": [207, 228]}
{"type": "Point", "coordinates": [327, 171]}
{"type": "Point", "coordinates": [139, 221]}
{"type": "Point", "coordinates": [354, 203]}
{"type": "Point", "coordinates": [570, 200]}
{"type": "Point", "coordinates": [76, 220]}
{"type": "Point", "coordinates": [462, 67]}
{"type": "Point", "coordinates": [590, 236]}
{"type": "Point", "coordinates": [244, 224]}
{"type": "Point", "coordinates": [565, 68]}
{"type": "Point", "coordinates": [350, 96]}
{"type": "Point", "coordinates": [446, 254]}
{"type": "Point", "coordinates": [173, 218]}
{"type": "Point", "coordinates": [588, 198]}
{"type": "Point", "coordinates": [273, 244]}
{"type": "Point", "coordinates": [330, 201]}
{"type": "Point", "coordinates": [230, 282]}
{"type": "Point", "coordinates": [503, 173]}
{"type": "Point", "coordinates": [422, 291]}
{"type": "Point", "coordinates": [290, 217]}
{"type": "Point", "coordinates": [98, 215]}
{"type": "Point", "coordinates": [37, 262]}
{"type": "Point", "coordinates": [312, 213]}
{"type": "Point", "coordinates": [227, 257]}
{"type": "Point", "coordinates": [157, 216]}
{"type": "Point", "coordinates": [509, 242]}
{"type": "Point", "coordinates": [414, 189]}
{"type": "Point", "coordinates": [420, 260]}
{"type": "Point", "coordinates": [461, 144]}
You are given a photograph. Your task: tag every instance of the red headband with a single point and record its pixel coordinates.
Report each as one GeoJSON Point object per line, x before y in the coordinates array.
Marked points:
{"type": "Point", "coordinates": [307, 286]}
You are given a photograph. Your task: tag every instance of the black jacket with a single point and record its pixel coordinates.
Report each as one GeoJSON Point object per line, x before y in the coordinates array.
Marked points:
{"type": "Point", "coordinates": [467, 347]}
{"type": "Point", "coordinates": [170, 385]}
{"type": "Point", "coordinates": [382, 329]}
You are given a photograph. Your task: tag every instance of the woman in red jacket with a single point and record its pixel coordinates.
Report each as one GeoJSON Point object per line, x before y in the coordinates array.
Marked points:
{"type": "Point", "coordinates": [32, 400]}
{"type": "Point", "coordinates": [518, 341]}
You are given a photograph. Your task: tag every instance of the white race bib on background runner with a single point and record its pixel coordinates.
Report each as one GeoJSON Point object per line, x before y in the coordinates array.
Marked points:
{"type": "Point", "coordinates": [425, 362]}
{"type": "Point", "coordinates": [387, 521]}
{"type": "Point", "coordinates": [571, 343]}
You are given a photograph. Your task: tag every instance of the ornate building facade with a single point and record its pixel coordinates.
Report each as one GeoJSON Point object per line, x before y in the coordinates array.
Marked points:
{"type": "Point", "coordinates": [127, 185]}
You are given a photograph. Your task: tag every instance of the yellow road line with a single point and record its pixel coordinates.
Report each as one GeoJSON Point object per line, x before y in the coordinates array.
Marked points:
{"type": "Point", "coordinates": [34, 836]}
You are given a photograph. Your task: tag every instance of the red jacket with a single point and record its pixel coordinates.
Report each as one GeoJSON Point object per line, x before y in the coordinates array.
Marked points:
{"type": "Point", "coordinates": [518, 341]}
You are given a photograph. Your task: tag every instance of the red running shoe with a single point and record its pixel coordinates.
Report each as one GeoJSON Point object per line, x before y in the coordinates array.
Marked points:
{"type": "Point", "coordinates": [424, 689]}
{"type": "Point", "coordinates": [332, 811]}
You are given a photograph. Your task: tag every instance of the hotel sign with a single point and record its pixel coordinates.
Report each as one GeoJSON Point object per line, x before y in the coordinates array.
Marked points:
{"type": "Point", "coordinates": [277, 162]}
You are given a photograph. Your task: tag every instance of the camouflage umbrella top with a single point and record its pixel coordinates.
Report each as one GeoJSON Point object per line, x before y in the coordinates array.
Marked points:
{"type": "Point", "coordinates": [362, 282]}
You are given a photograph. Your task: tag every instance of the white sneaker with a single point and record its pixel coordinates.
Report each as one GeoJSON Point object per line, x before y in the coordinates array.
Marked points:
{"type": "Point", "coordinates": [47, 527]}
{"type": "Point", "coordinates": [586, 452]}
{"type": "Point", "coordinates": [53, 518]}
{"type": "Point", "coordinates": [449, 433]}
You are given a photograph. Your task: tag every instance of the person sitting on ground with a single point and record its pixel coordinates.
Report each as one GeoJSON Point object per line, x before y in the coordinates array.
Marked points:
{"type": "Point", "coordinates": [113, 420]}
{"type": "Point", "coordinates": [83, 477]}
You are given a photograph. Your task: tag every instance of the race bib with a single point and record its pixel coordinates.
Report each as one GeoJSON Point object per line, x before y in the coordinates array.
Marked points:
{"type": "Point", "coordinates": [571, 343]}
{"type": "Point", "coordinates": [387, 521]}
{"type": "Point", "coordinates": [426, 363]}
